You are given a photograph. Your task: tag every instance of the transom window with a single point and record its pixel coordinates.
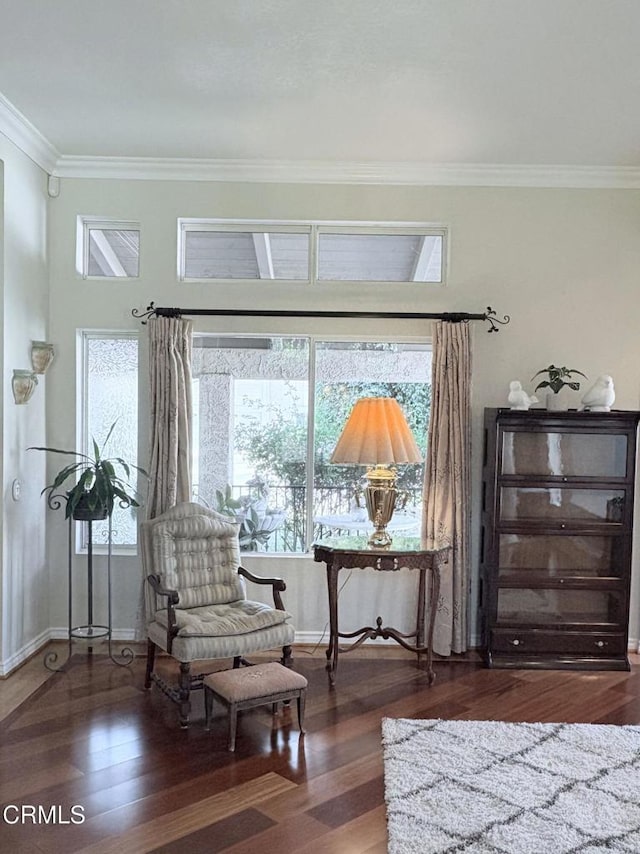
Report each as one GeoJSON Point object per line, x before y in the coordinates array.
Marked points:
{"type": "Point", "coordinates": [315, 252]}
{"type": "Point", "coordinates": [108, 249]}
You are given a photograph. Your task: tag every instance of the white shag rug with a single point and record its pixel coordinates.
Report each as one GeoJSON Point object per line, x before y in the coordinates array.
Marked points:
{"type": "Point", "coordinates": [487, 787]}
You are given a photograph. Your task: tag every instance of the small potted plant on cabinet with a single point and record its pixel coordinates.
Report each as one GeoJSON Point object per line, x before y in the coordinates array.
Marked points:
{"type": "Point", "coordinates": [101, 482]}
{"type": "Point", "coordinates": [558, 379]}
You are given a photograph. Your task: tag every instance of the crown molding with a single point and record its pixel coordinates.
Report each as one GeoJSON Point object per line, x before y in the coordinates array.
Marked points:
{"type": "Point", "coordinates": [19, 130]}
{"type": "Point", "coordinates": [25, 136]}
{"type": "Point", "coordinates": [343, 172]}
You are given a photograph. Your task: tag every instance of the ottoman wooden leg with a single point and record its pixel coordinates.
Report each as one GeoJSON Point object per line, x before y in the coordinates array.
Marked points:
{"type": "Point", "coordinates": [233, 724]}
{"type": "Point", "coordinates": [208, 707]}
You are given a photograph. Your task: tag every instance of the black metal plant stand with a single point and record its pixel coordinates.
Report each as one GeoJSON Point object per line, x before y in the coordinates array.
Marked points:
{"type": "Point", "coordinates": [90, 630]}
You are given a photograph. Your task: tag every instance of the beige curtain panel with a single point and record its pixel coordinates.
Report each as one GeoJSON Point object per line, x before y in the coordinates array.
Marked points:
{"type": "Point", "coordinates": [447, 478]}
{"type": "Point", "coordinates": [170, 418]}
{"type": "Point", "coordinates": [170, 413]}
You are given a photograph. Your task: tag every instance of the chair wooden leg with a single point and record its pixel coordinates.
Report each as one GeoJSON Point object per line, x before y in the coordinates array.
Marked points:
{"type": "Point", "coordinates": [184, 687]}
{"type": "Point", "coordinates": [151, 657]}
{"type": "Point", "coordinates": [287, 658]}
{"type": "Point", "coordinates": [302, 698]}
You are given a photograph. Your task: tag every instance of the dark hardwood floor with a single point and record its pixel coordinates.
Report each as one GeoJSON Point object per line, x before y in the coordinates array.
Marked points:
{"type": "Point", "coordinates": [91, 737]}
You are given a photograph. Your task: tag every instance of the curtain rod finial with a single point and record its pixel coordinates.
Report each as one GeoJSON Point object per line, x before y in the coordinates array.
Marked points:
{"type": "Point", "coordinates": [492, 319]}
{"type": "Point", "coordinates": [143, 316]}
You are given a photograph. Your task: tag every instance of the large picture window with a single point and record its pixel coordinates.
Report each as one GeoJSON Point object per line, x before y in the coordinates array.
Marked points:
{"type": "Point", "coordinates": [269, 411]}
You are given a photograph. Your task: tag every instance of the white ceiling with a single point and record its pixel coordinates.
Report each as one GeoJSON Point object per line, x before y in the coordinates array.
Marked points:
{"type": "Point", "coordinates": [501, 84]}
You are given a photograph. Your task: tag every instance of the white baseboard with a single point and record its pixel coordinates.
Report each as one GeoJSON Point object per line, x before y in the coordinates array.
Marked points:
{"type": "Point", "coordinates": [310, 638]}
{"type": "Point", "coordinates": [8, 665]}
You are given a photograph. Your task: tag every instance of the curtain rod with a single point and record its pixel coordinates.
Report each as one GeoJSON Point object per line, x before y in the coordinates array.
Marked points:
{"type": "Point", "coordinates": [490, 316]}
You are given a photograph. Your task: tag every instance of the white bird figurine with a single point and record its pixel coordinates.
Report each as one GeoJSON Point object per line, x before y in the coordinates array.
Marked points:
{"type": "Point", "coordinates": [518, 397]}
{"type": "Point", "coordinates": [600, 396]}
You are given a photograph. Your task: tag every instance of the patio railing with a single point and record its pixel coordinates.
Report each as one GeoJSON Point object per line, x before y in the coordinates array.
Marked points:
{"type": "Point", "coordinates": [328, 501]}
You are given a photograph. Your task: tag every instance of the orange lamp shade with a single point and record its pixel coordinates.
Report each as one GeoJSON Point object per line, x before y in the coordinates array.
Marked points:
{"type": "Point", "coordinates": [376, 433]}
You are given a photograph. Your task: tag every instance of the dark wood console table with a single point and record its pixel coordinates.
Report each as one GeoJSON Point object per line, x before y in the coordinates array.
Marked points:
{"type": "Point", "coordinates": [355, 553]}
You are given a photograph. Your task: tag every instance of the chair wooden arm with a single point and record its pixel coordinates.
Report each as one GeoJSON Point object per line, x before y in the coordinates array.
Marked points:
{"type": "Point", "coordinates": [277, 584]}
{"type": "Point", "coordinates": [172, 597]}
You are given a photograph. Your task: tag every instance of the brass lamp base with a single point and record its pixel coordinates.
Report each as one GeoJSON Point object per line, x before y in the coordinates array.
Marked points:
{"type": "Point", "coordinates": [380, 496]}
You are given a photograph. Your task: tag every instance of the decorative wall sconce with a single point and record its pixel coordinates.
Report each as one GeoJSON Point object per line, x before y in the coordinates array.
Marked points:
{"type": "Point", "coordinates": [23, 384]}
{"type": "Point", "coordinates": [42, 355]}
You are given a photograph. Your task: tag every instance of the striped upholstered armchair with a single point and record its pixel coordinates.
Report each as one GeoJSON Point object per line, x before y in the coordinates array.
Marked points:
{"type": "Point", "coordinates": [196, 604]}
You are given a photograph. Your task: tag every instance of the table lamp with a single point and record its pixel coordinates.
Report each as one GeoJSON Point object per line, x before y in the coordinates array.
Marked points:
{"type": "Point", "coordinates": [377, 435]}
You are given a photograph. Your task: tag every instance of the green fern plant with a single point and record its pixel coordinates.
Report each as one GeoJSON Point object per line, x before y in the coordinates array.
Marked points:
{"type": "Point", "coordinates": [100, 481]}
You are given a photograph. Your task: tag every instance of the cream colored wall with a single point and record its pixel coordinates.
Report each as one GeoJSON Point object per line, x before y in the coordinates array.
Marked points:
{"type": "Point", "coordinates": [24, 304]}
{"type": "Point", "coordinates": [563, 263]}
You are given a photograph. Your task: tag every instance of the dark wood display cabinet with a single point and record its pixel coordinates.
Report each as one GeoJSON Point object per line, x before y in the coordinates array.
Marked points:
{"type": "Point", "coordinates": [557, 525]}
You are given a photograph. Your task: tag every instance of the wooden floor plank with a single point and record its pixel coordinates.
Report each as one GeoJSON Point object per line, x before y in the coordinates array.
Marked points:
{"type": "Point", "coordinates": [366, 831]}
{"type": "Point", "coordinates": [18, 786]}
{"type": "Point", "coordinates": [324, 787]}
{"type": "Point", "coordinates": [239, 827]}
{"type": "Point", "coordinates": [349, 805]}
{"type": "Point", "coordinates": [288, 835]}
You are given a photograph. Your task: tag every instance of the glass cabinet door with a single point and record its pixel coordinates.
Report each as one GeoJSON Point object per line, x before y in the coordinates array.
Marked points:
{"type": "Point", "coordinates": [542, 557]}
{"type": "Point", "coordinates": [562, 504]}
{"type": "Point", "coordinates": [564, 454]}
{"type": "Point", "coordinates": [557, 607]}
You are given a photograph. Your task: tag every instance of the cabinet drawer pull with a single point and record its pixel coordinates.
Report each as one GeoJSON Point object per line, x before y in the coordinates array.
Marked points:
{"type": "Point", "coordinates": [600, 643]}
{"type": "Point", "coordinates": [514, 642]}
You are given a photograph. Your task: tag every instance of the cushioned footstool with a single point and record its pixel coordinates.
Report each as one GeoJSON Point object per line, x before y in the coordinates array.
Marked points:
{"type": "Point", "coordinates": [247, 687]}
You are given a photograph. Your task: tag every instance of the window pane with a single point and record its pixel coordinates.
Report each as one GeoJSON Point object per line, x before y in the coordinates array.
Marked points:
{"type": "Point", "coordinates": [114, 252]}
{"type": "Point", "coordinates": [380, 257]}
{"type": "Point", "coordinates": [346, 372]}
{"type": "Point", "coordinates": [252, 436]}
{"type": "Point", "coordinates": [112, 396]}
{"type": "Point", "coordinates": [246, 255]}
